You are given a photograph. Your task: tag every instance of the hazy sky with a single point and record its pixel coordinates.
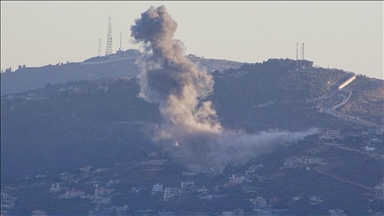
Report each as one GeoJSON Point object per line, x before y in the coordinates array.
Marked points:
{"type": "Point", "coordinates": [345, 35]}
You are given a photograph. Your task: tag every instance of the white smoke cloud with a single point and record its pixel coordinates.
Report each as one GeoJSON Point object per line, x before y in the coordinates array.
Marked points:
{"type": "Point", "coordinates": [169, 78]}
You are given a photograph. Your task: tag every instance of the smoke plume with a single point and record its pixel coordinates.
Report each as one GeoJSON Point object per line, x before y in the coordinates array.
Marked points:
{"type": "Point", "coordinates": [169, 78]}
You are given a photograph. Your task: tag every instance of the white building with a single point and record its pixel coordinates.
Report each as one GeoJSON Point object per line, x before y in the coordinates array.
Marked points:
{"type": "Point", "coordinates": [233, 180]}
{"type": "Point", "coordinates": [55, 187]}
{"type": "Point", "coordinates": [202, 190]}
{"type": "Point", "coordinates": [187, 185]}
{"type": "Point", "coordinates": [259, 202]}
{"type": "Point", "coordinates": [66, 176]}
{"type": "Point", "coordinates": [86, 169]}
{"type": "Point", "coordinates": [314, 200]}
{"type": "Point", "coordinates": [169, 193]}
{"type": "Point", "coordinates": [252, 169]}
{"type": "Point", "coordinates": [138, 189]}
{"type": "Point", "coordinates": [39, 213]}
{"type": "Point", "coordinates": [103, 200]}
{"type": "Point", "coordinates": [157, 188]}
{"type": "Point", "coordinates": [337, 212]}
{"type": "Point", "coordinates": [367, 148]}
{"type": "Point", "coordinates": [101, 191]}
{"type": "Point", "coordinates": [74, 193]}
{"type": "Point", "coordinates": [292, 162]}
{"type": "Point", "coordinates": [122, 210]}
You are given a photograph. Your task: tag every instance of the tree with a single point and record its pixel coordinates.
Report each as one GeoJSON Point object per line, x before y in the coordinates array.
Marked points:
{"type": "Point", "coordinates": [8, 70]}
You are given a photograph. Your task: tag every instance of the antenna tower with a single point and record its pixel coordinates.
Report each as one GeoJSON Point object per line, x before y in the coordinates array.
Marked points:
{"type": "Point", "coordinates": [302, 51]}
{"type": "Point", "coordinates": [99, 47]}
{"type": "Point", "coordinates": [108, 50]}
{"type": "Point", "coordinates": [121, 35]}
{"type": "Point", "coordinates": [297, 51]}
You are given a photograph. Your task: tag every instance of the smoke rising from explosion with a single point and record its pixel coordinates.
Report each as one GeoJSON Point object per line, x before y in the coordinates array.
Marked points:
{"type": "Point", "coordinates": [169, 78]}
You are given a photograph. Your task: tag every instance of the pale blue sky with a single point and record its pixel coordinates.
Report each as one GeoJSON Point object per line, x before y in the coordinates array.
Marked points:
{"type": "Point", "coordinates": [345, 35]}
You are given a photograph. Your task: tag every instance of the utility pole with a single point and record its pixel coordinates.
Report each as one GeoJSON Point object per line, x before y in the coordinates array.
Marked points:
{"type": "Point", "coordinates": [121, 35]}
{"type": "Point", "coordinates": [99, 47]}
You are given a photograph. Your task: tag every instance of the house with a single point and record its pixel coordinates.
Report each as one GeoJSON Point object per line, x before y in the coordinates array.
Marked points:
{"type": "Point", "coordinates": [164, 213]}
{"type": "Point", "coordinates": [252, 169]}
{"type": "Point", "coordinates": [292, 162]}
{"type": "Point", "coordinates": [138, 189]}
{"type": "Point", "coordinates": [5, 196]}
{"type": "Point", "coordinates": [313, 160]}
{"type": "Point", "coordinates": [74, 193]}
{"type": "Point", "coordinates": [187, 185]}
{"type": "Point", "coordinates": [297, 198]}
{"type": "Point", "coordinates": [86, 169]}
{"type": "Point", "coordinates": [157, 188]}
{"type": "Point", "coordinates": [169, 193]}
{"type": "Point", "coordinates": [122, 210]}
{"type": "Point", "coordinates": [227, 213]}
{"type": "Point", "coordinates": [7, 201]}
{"type": "Point", "coordinates": [111, 182]}
{"type": "Point", "coordinates": [102, 200]}
{"type": "Point", "coordinates": [233, 180]}
{"type": "Point", "coordinates": [238, 212]}
{"type": "Point", "coordinates": [337, 212]}
{"type": "Point", "coordinates": [55, 187]}
{"type": "Point", "coordinates": [202, 190]}
{"type": "Point", "coordinates": [376, 140]}
{"type": "Point", "coordinates": [289, 163]}
{"type": "Point", "coordinates": [101, 191]}
{"type": "Point", "coordinates": [379, 191]}
{"type": "Point", "coordinates": [329, 134]}
{"type": "Point", "coordinates": [274, 200]}
{"type": "Point", "coordinates": [39, 213]}
{"type": "Point", "coordinates": [314, 200]}
{"type": "Point", "coordinates": [367, 148]}
{"type": "Point", "coordinates": [380, 130]}
{"type": "Point", "coordinates": [66, 176]}
{"type": "Point", "coordinates": [249, 189]}
{"type": "Point", "coordinates": [153, 155]}
{"type": "Point", "coordinates": [206, 197]}
{"type": "Point", "coordinates": [259, 202]}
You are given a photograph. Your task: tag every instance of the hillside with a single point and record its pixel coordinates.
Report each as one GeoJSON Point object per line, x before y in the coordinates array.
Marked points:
{"type": "Point", "coordinates": [104, 121]}
{"type": "Point", "coordinates": [120, 64]}
{"type": "Point", "coordinates": [366, 101]}
{"type": "Point", "coordinates": [51, 132]}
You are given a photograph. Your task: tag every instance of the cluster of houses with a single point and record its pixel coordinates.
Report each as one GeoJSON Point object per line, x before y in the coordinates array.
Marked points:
{"type": "Point", "coordinates": [103, 193]}
{"type": "Point", "coordinates": [370, 135]}
{"type": "Point", "coordinates": [171, 192]}
{"type": "Point", "coordinates": [7, 202]}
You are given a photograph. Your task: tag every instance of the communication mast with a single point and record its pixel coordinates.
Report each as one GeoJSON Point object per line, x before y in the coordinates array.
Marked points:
{"type": "Point", "coordinates": [297, 55]}
{"type": "Point", "coordinates": [302, 51]}
{"type": "Point", "coordinates": [121, 34]}
{"type": "Point", "coordinates": [108, 50]}
{"type": "Point", "coordinates": [99, 47]}
{"type": "Point", "coordinates": [297, 51]}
